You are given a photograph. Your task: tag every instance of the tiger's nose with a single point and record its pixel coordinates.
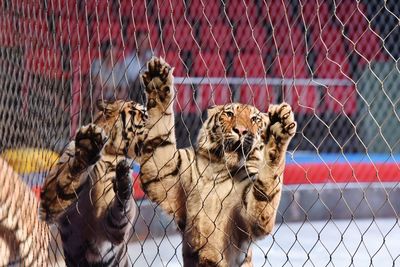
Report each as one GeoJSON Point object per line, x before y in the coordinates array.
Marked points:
{"type": "Point", "coordinates": [240, 130]}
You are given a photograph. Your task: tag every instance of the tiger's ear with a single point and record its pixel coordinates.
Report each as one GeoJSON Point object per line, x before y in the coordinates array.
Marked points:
{"type": "Point", "coordinates": [214, 109]}
{"type": "Point", "coordinates": [105, 107]}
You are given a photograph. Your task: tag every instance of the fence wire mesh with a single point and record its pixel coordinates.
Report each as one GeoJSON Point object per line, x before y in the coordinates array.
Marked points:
{"type": "Point", "coordinates": [335, 63]}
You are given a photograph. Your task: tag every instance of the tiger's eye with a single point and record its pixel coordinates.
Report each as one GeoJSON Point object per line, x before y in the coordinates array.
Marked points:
{"type": "Point", "coordinates": [229, 114]}
{"type": "Point", "coordinates": [255, 119]}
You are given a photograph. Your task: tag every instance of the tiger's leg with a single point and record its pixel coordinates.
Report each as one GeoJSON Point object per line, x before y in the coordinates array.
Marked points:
{"type": "Point", "coordinates": [262, 200]}
{"type": "Point", "coordinates": [122, 211]}
{"type": "Point", "coordinates": [89, 141]}
{"type": "Point", "coordinates": [65, 180]}
{"type": "Point", "coordinates": [161, 162]}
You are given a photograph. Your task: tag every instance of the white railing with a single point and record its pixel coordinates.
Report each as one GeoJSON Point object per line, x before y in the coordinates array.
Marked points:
{"type": "Point", "coordinates": [258, 81]}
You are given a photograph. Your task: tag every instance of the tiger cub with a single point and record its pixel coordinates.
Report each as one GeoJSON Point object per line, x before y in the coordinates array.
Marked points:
{"type": "Point", "coordinates": [89, 192]}
{"type": "Point", "coordinates": [224, 192]}
{"type": "Point", "coordinates": [24, 240]}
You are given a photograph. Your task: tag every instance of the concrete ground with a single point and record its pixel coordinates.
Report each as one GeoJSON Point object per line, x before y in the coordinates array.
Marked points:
{"type": "Point", "coordinates": [361, 242]}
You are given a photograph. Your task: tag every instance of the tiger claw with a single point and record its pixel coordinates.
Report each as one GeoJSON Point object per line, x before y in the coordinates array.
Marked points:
{"type": "Point", "coordinates": [122, 183]}
{"type": "Point", "coordinates": [158, 79]}
{"type": "Point", "coordinates": [283, 124]}
{"type": "Point", "coordinates": [89, 141]}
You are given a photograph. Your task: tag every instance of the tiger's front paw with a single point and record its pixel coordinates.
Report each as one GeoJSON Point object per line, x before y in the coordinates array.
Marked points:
{"type": "Point", "coordinates": [158, 80]}
{"type": "Point", "coordinates": [123, 181]}
{"type": "Point", "coordinates": [89, 141]}
{"type": "Point", "coordinates": [282, 123]}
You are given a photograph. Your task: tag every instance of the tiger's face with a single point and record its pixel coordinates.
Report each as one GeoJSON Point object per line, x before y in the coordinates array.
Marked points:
{"type": "Point", "coordinates": [234, 128]}
{"type": "Point", "coordinates": [124, 123]}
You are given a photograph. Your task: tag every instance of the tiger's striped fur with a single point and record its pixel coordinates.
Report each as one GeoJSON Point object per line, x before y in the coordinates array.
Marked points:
{"type": "Point", "coordinates": [24, 240]}
{"type": "Point", "coordinates": [89, 192]}
{"type": "Point", "coordinates": [224, 192]}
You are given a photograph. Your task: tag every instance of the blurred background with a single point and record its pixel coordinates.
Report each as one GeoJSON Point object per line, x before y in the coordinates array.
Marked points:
{"type": "Point", "coordinates": [335, 62]}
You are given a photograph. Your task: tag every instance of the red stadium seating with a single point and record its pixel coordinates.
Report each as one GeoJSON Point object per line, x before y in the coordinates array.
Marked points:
{"type": "Point", "coordinates": [351, 13]}
{"type": "Point", "coordinates": [34, 31]}
{"type": "Point", "coordinates": [364, 41]}
{"type": "Point", "coordinates": [242, 11]}
{"type": "Point", "coordinates": [8, 35]}
{"type": "Point", "coordinates": [315, 15]}
{"type": "Point", "coordinates": [276, 12]}
{"type": "Point", "coordinates": [81, 62]}
{"type": "Point", "coordinates": [105, 31]}
{"type": "Point", "coordinates": [71, 32]}
{"type": "Point", "coordinates": [289, 39]}
{"type": "Point", "coordinates": [258, 95]}
{"type": "Point", "coordinates": [209, 64]}
{"type": "Point", "coordinates": [331, 56]}
{"type": "Point", "coordinates": [339, 99]}
{"type": "Point", "coordinates": [42, 61]}
{"type": "Point", "coordinates": [134, 9]}
{"type": "Point", "coordinates": [252, 39]}
{"type": "Point", "coordinates": [332, 67]}
{"type": "Point", "coordinates": [167, 9]}
{"type": "Point", "coordinates": [30, 9]}
{"type": "Point", "coordinates": [367, 44]}
{"type": "Point", "coordinates": [147, 28]}
{"type": "Point", "coordinates": [249, 65]}
{"type": "Point", "coordinates": [213, 94]}
{"type": "Point", "coordinates": [302, 97]}
{"type": "Point", "coordinates": [290, 66]}
{"type": "Point", "coordinates": [180, 70]}
{"type": "Point", "coordinates": [217, 36]}
{"type": "Point", "coordinates": [100, 9]}
{"type": "Point", "coordinates": [64, 8]}
{"type": "Point", "coordinates": [184, 99]}
{"type": "Point", "coordinates": [179, 36]}
{"type": "Point", "coordinates": [34, 60]}
{"type": "Point", "coordinates": [209, 11]}
{"type": "Point", "coordinates": [329, 40]}
{"type": "Point", "coordinates": [332, 63]}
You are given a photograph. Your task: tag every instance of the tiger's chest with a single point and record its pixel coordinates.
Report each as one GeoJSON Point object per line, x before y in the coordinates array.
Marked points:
{"type": "Point", "coordinates": [215, 194]}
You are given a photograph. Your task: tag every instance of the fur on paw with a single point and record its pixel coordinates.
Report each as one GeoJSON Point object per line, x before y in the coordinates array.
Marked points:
{"type": "Point", "coordinates": [158, 80]}
{"type": "Point", "coordinates": [282, 123]}
{"type": "Point", "coordinates": [123, 181]}
{"type": "Point", "coordinates": [89, 141]}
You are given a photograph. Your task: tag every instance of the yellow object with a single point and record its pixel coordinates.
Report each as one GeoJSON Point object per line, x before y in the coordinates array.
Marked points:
{"type": "Point", "coordinates": [29, 160]}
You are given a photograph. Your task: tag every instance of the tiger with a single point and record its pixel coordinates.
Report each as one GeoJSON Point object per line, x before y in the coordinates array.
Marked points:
{"type": "Point", "coordinates": [24, 240]}
{"type": "Point", "coordinates": [224, 191]}
{"type": "Point", "coordinates": [88, 194]}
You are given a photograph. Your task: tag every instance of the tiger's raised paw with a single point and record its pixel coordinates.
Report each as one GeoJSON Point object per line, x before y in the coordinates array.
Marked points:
{"type": "Point", "coordinates": [282, 123]}
{"type": "Point", "coordinates": [158, 80]}
{"type": "Point", "coordinates": [122, 184]}
{"type": "Point", "coordinates": [89, 141]}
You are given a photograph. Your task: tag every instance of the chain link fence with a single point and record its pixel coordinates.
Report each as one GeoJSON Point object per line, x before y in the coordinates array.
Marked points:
{"type": "Point", "coordinates": [335, 62]}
